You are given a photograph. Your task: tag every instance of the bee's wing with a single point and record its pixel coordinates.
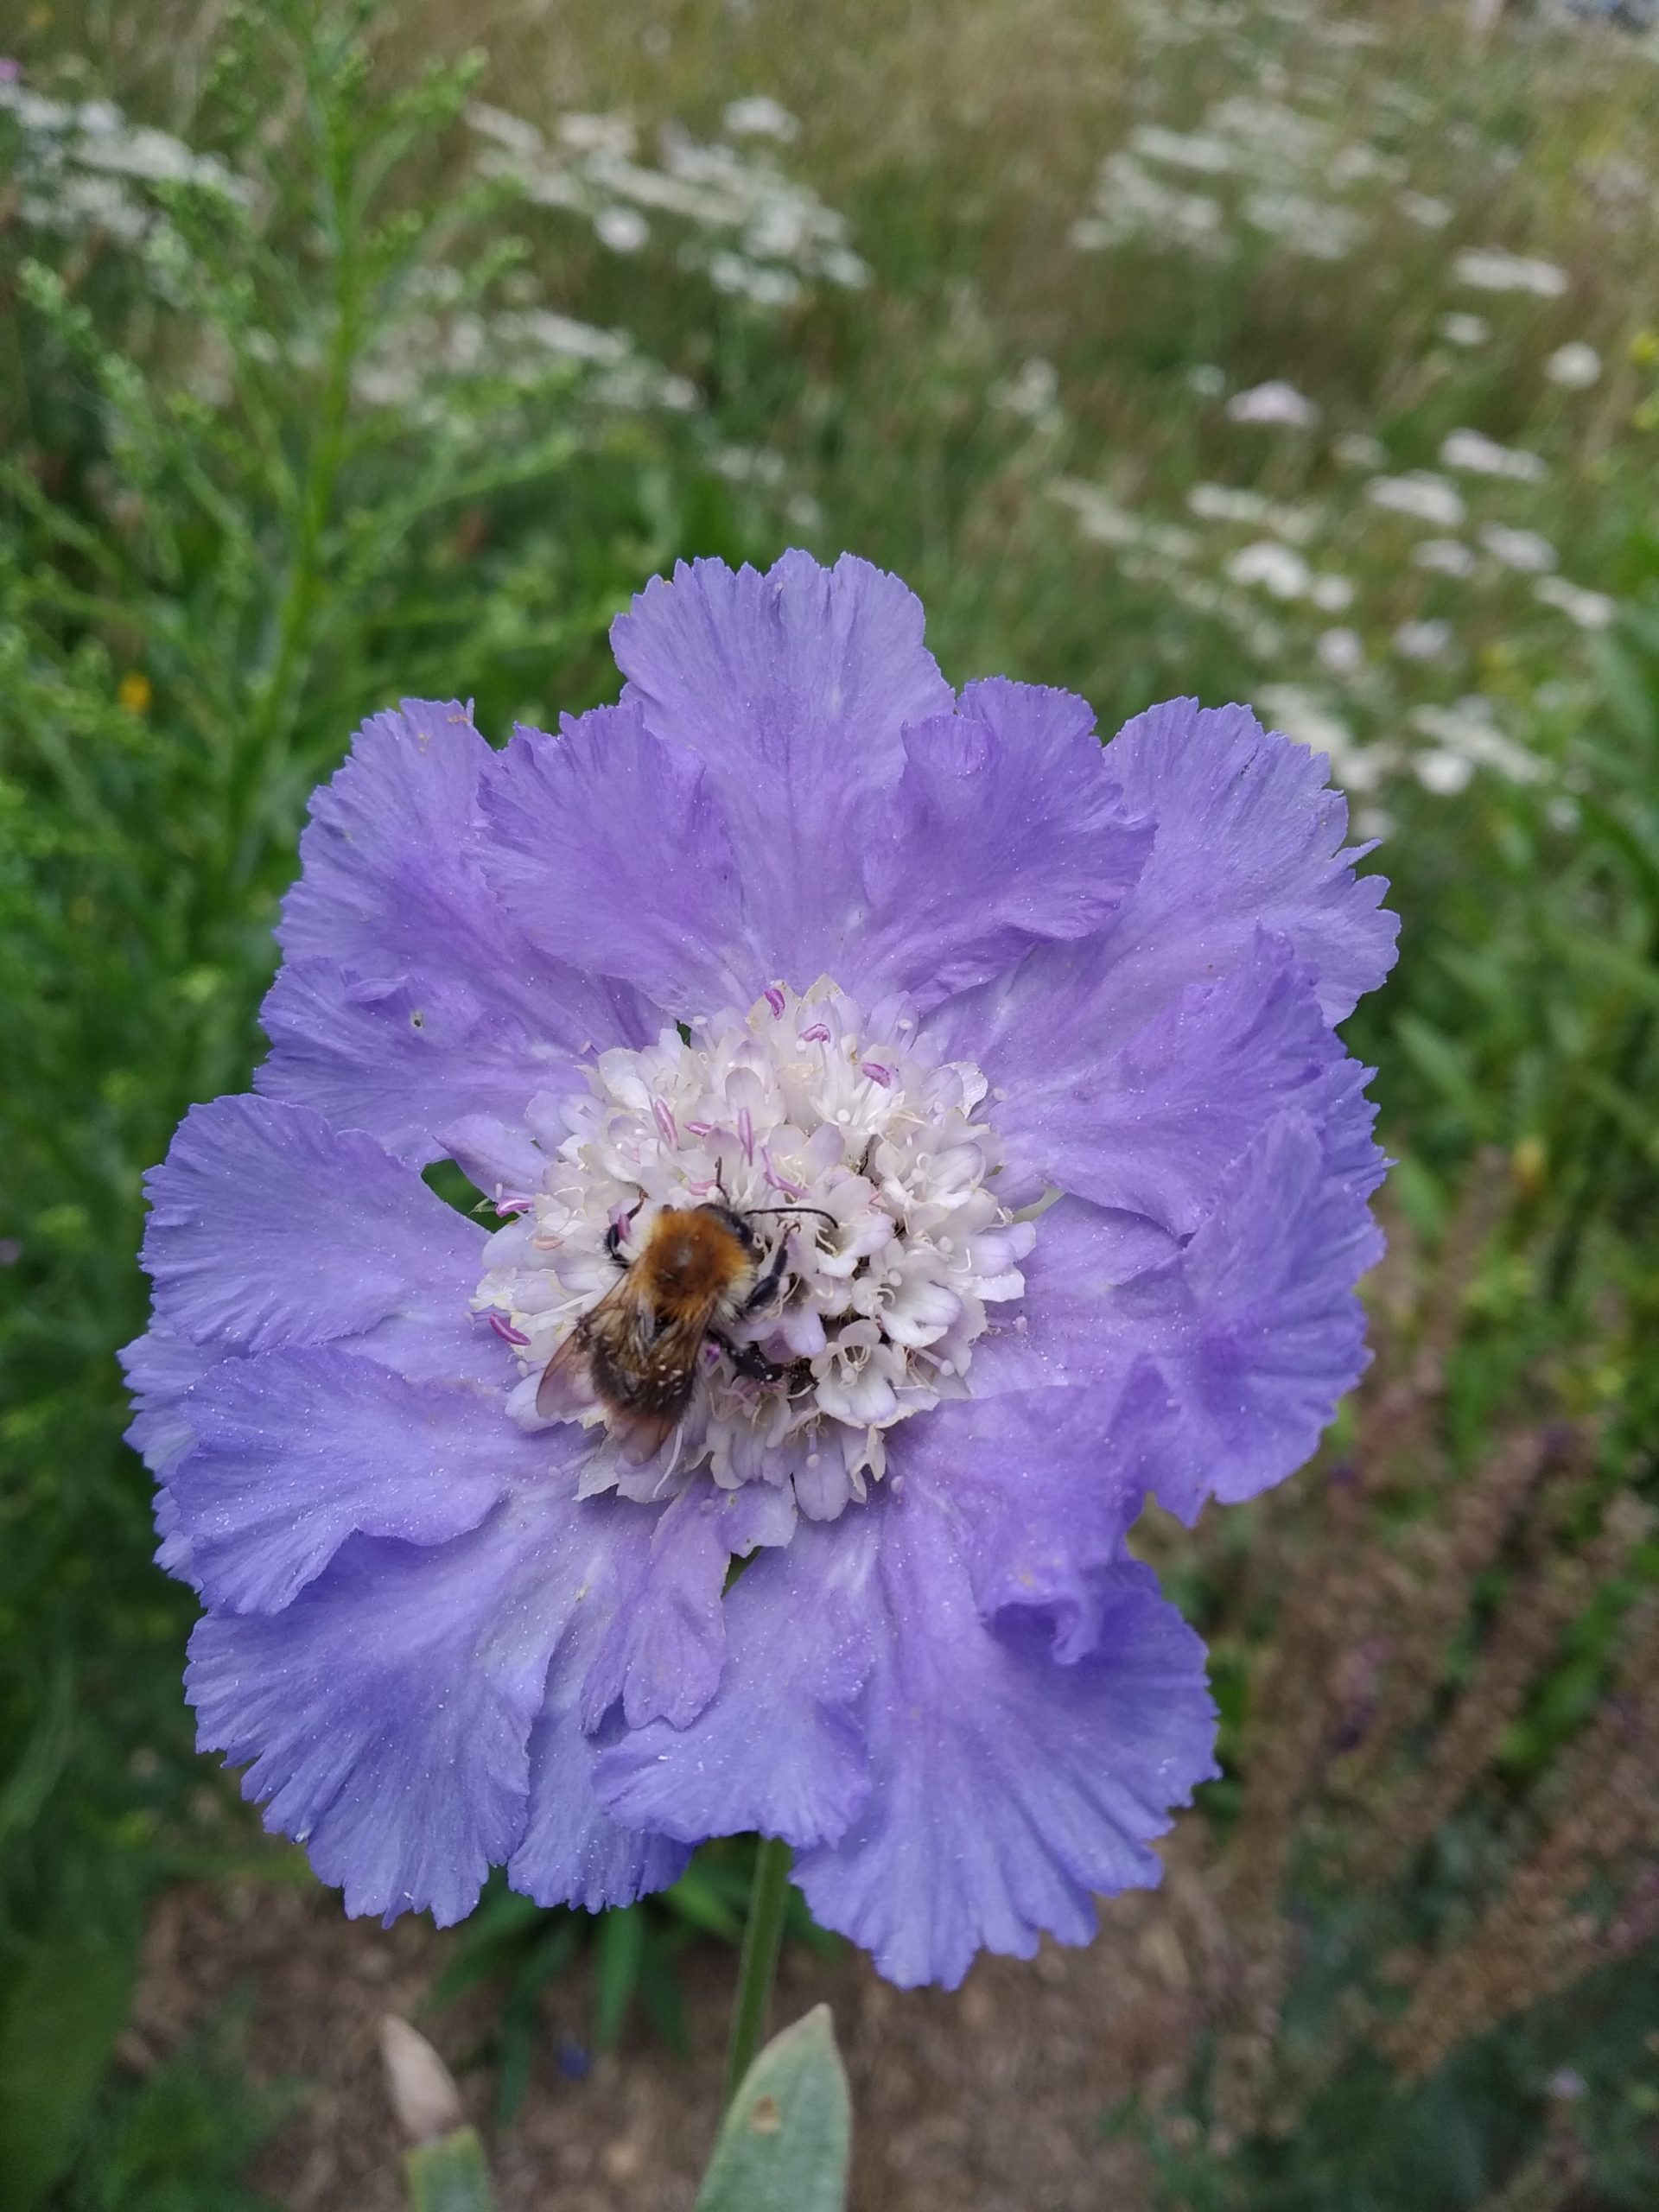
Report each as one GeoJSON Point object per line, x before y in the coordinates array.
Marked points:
{"type": "Point", "coordinates": [567, 1385]}
{"type": "Point", "coordinates": [641, 1437]}
{"type": "Point", "coordinates": [565, 1390]}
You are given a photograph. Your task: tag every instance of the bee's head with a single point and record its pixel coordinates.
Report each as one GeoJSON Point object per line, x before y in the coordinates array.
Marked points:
{"type": "Point", "coordinates": [733, 1222]}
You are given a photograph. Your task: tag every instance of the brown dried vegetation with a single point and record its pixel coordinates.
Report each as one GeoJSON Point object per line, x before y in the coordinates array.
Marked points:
{"type": "Point", "coordinates": [1419, 1600]}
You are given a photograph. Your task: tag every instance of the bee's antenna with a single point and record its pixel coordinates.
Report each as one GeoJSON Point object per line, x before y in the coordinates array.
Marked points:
{"type": "Point", "coordinates": [819, 1211]}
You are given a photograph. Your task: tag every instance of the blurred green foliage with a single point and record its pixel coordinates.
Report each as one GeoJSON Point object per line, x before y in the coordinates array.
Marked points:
{"type": "Point", "coordinates": [252, 486]}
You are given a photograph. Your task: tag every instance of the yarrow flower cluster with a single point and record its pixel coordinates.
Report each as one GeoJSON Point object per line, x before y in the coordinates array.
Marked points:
{"type": "Point", "coordinates": [1004, 1065]}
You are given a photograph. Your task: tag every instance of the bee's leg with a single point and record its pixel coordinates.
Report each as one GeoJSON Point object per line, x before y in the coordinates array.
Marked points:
{"type": "Point", "coordinates": [748, 1359]}
{"type": "Point", "coordinates": [765, 1288]}
{"type": "Point", "coordinates": [614, 1234]}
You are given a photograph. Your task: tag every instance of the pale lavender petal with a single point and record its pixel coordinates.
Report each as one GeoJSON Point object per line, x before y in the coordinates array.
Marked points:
{"type": "Point", "coordinates": [1252, 1341]}
{"type": "Point", "coordinates": [573, 1851]}
{"type": "Point", "coordinates": [607, 847]}
{"type": "Point", "coordinates": [778, 1748]}
{"type": "Point", "coordinates": [408, 1000]}
{"type": "Point", "coordinates": [1041, 1504]}
{"type": "Point", "coordinates": [161, 1369]}
{"type": "Point", "coordinates": [1151, 1125]}
{"type": "Point", "coordinates": [1250, 836]}
{"type": "Point", "coordinates": [792, 688]}
{"type": "Point", "coordinates": [1008, 1791]}
{"type": "Point", "coordinates": [660, 1658]}
{"type": "Point", "coordinates": [1005, 830]}
{"type": "Point", "coordinates": [385, 1714]}
{"type": "Point", "coordinates": [1249, 842]}
{"type": "Point", "coordinates": [268, 1227]}
{"type": "Point", "coordinates": [296, 1450]}
{"type": "Point", "coordinates": [1214, 1364]}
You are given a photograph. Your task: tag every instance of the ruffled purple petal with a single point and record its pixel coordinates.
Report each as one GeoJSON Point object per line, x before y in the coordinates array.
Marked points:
{"type": "Point", "coordinates": [295, 1451]}
{"type": "Point", "coordinates": [386, 1712]}
{"type": "Point", "coordinates": [268, 1227]}
{"type": "Point", "coordinates": [792, 688]}
{"type": "Point", "coordinates": [1005, 830]}
{"type": "Point", "coordinates": [660, 1658]}
{"type": "Point", "coordinates": [608, 845]}
{"type": "Point", "coordinates": [1250, 836]}
{"type": "Point", "coordinates": [1042, 1505]}
{"type": "Point", "coordinates": [409, 999]}
{"type": "Point", "coordinates": [1214, 1364]}
{"type": "Point", "coordinates": [1254, 1336]}
{"type": "Point", "coordinates": [161, 1369]}
{"type": "Point", "coordinates": [779, 1749]}
{"type": "Point", "coordinates": [1248, 849]}
{"type": "Point", "coordinates": [1008, 1791]}
{"type": "Point", "coordinates": [574, 1852]}
{"type": "Point", "coordinates": [1152, 1126]}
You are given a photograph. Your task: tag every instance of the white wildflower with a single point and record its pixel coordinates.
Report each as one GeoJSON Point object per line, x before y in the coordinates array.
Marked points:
{"type": "Point", "coordinates": [509, 131]}
{"type": "Point", "coordinates": [1443, 773]}
{"type": "Point", "coordinates": [624, 230]}
{"type": "Point", "coordinates": [1033, 392]}
{"type": "Point", "coordinates": [1493, 269]}
{"type": "Point", "coordinates": [1102, 519]}
{"type": "Point", "coordinates": [1519, 549]}
{"type": "Point", "coordinates": [1473, 451]}
{"type": "Point", "coordinates": [1591, 610]}
{"type": "Point", "coordinates": [1358, 450]}
{"type": "Point", "coordinates": [1421, 494]}
{"type": "Point", "coordinates": [1330, 594]}
{"type": "Point", "coordinates": [1575, 366]}
{"type": "Point", "coordinates": [1236, 503]}
{"type": "Point", "coordinates": [1207, 380]}
{"type": "Point", "coordinates": [1184, 150]}
{"type": "Point", "coordinates": [756, 115]}
{"type": "Point", "coordinates": [1272, 403]}
{"type": "Point", "coordinates": [1464, 329]}
{"type": "Point", "coordinates": [611, 135]}
{"type": "Point", "coordinates": [1422, 640]}
{"type": "Point", "coordinates": [1468, 732]}
{"type": "Point", "coordinates": [1320, 228]}
{"type": "Point", "coordinates": [1342, 651]}
{"type": "Point", "coordinates": [1130, 202]}
{"type": "Point", "coordinates": [1447, 556]}
{"type": "Point", "coordinates": [1423, 209]}
{"type": "Point", "coordinates": [1277, 568]}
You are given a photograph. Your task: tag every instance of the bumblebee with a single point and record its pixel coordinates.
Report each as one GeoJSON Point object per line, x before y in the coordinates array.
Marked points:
{"type": "Point", "coordinates": [635, 1353]}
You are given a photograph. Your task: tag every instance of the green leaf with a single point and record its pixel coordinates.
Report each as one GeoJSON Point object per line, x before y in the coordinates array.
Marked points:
{"type": "Point", "coordinates": [783, 2146]}
{"type": "Point", "coordinates": [63, 2009]}
{"type": "Point", "coordinates": [617, 1951]}
{"type": "Point", "coordinates": [449, 2175]}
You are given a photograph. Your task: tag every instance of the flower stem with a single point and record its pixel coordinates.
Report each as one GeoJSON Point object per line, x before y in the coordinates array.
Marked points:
{"type": "Point", "coordinates": [758, 1967]}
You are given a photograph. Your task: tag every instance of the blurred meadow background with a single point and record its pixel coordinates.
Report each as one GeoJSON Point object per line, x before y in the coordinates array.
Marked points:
{"type": "Point", "coordinates": [1300, 353]}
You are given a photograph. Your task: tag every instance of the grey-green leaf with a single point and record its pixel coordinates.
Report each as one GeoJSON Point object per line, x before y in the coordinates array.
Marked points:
{"type": "Point", "coordinates": [449, 2175]}
{"type": "Point", "coordinates": [783, 2145]}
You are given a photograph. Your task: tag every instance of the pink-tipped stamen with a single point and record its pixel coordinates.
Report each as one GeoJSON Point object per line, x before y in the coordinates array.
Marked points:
{"type": "Point", "coordinates": [778, 1182]}
{"type": "Point", "coordinates": [777, 1001]}
{"type": "Point", "coordinates": [504, 1330]}
{"type": "Point", "coordinates": [699, 1128]}
{"type": "Point", "coordinates": [512, 1205]}
{"type": "Point", "coordinates": [665, 1121]}
{"type": "Point", "coordinates": [877, 1073]}
{"type": "Point", "coordinates": [817, 1035]}
{"type": "Point", "coordinates": [746, 1133]}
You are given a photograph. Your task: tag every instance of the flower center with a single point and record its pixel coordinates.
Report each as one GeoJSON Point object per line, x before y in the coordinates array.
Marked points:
{"type": "Point", "coordinates": [874, 1241]}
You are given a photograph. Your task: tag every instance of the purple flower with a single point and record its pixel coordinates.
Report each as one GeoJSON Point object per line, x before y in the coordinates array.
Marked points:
{"type": "Point", "coordinates": [1043, 1032]}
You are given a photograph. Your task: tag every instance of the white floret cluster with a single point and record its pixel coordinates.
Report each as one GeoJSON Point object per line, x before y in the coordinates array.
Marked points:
{"type": "Point", "coordinates": [806, 1101]}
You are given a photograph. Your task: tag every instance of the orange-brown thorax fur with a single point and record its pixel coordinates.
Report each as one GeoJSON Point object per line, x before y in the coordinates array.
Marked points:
{"type": "Point", "coordinates": [691, 1260]}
